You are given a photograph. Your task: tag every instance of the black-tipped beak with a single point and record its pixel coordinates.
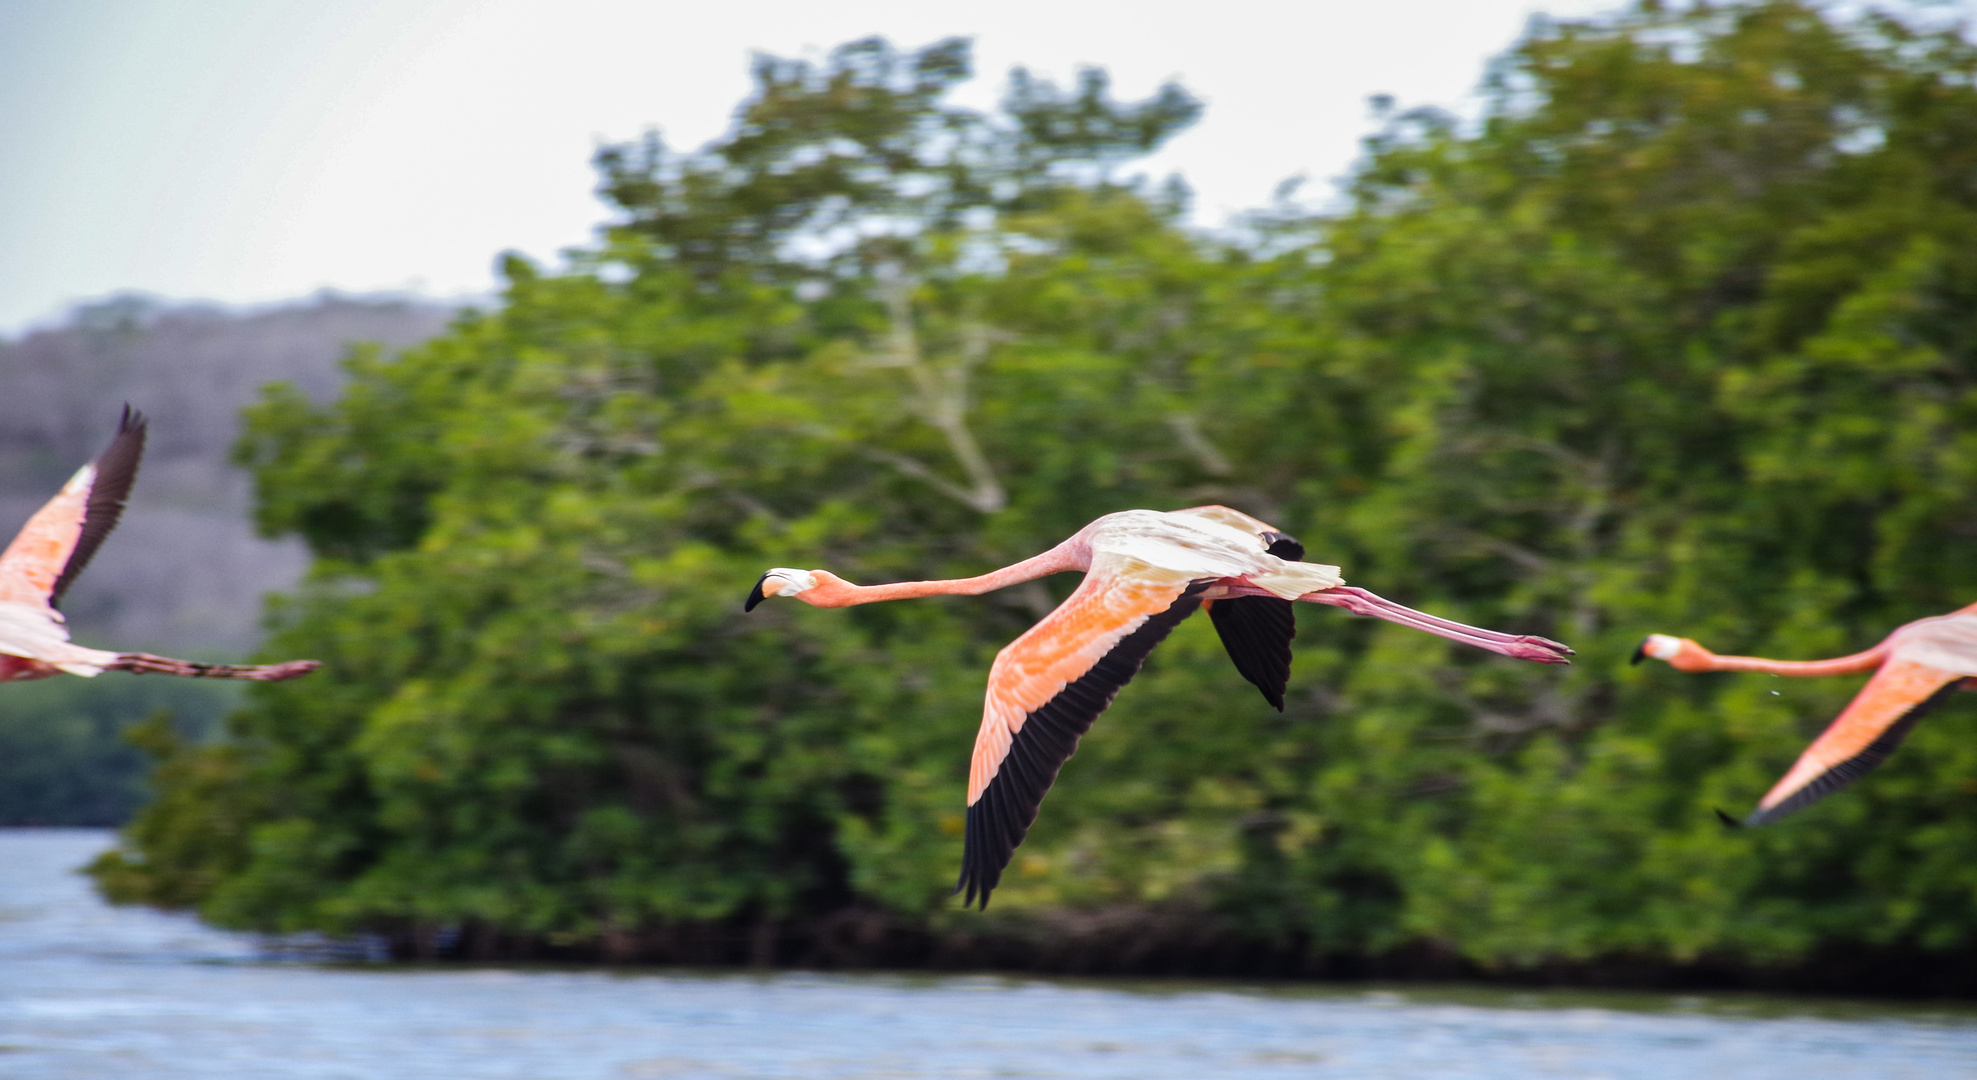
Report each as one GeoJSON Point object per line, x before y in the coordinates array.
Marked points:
{"type": "Point", "coordinates": [755, 595]}
{"type": "Point", "coordinates": [1728, 821]}
{"type": "Point", "coordinates": [1640, 654]}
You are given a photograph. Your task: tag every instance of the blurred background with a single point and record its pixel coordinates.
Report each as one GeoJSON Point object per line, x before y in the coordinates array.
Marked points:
{"type": "Point", "coordinates": [203, 198]}
{"type": "Point", "coordinates": [504, 350]}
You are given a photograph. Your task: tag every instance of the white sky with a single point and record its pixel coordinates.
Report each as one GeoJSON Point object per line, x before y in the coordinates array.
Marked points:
{"type": "Point", "coordinates": [255, 150]}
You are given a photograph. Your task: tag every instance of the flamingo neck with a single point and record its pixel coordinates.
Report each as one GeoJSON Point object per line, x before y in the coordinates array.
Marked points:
{"type": "Point", "coordinates": [1842, 665]}
{"type": "Point", "coordinates": [1069, 555]}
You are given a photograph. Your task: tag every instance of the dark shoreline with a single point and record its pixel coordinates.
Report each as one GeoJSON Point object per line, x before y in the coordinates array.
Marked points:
{"type": "Point", "coordinates": [1139, 944]}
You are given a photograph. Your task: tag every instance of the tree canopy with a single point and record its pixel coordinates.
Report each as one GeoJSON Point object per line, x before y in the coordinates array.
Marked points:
{"type": "Point", "coordinates": [1678, 336]}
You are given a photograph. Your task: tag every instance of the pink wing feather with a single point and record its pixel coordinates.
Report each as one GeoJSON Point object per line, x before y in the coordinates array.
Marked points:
{"type": "Point", "coordinates": [57, 542]}
{"type": "Point", "coordinates": [1044, 691]}
{"type": "Point", "coordinates": [1861, 737]}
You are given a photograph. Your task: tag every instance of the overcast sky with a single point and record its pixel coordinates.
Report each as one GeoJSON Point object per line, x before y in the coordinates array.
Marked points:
{"type": "Point", "coordinates": [255, 150]}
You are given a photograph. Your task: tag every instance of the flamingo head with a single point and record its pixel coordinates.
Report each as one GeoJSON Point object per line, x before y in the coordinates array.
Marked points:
{"type": "Point", "coordinates": [1679, 653]}
{"type": "Point", "coordinates": [818, 588]}
{"type": "Point", "coordinates": [780, 581]}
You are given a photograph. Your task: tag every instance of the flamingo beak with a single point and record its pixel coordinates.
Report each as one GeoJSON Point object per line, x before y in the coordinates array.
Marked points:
{"type": "Point", "coordinates": [779, 581]}
{"type": "Point", "coordinates": [1728, 821]}
{"type": "Point", "coordinates": [756, 595]}
{"type": "Point", "coordinates": [1640, 654]}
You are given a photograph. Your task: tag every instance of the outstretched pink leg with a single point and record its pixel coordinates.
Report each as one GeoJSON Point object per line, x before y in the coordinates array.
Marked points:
{"type": "Point", "coordinates": [1521, 646]}
{"type": "Point", "coordinates": [145, 663]}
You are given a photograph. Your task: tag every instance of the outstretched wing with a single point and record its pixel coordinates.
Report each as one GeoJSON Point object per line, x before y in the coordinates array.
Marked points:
{"type": "Point", "coordinates": [1862, 737]}
{"type": "Point", "coordinates": [57, 542]}
{"type": "Point", "coordinates": [1257, 630]}
{"type": "Point", "coordinates": [1045, 689]}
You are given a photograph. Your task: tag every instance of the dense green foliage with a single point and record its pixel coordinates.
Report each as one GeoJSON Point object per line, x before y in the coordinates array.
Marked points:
{"type": "Point", "coordinates": [1682, 336]}
{"type": "Point", "coordinates": [65, 755]}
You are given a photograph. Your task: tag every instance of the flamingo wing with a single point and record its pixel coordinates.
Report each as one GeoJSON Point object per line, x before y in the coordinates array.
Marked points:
{"type": "Point", "coordinates": [57, 542]}
{"type": "Point", "coordinates": [1862, 737]}
{"type": "Point", "coordinates": [32, 632]}
{"type": "Point", "coordinates": [1257, 630]}
{"type": "Point", "coordinates": [1047, 687]}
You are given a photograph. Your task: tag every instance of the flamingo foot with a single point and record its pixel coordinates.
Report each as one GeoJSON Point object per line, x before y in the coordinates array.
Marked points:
{"type": "Point", "coordinates": [1530, 647]}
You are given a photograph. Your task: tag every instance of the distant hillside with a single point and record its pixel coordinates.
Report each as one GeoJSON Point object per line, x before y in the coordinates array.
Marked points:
{"type": "Point", "coordinates": [184, 571]}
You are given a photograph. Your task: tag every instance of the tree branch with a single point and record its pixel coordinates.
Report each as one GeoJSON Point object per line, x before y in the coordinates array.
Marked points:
{"type": "Point", "coordinates": [941, 391]}
{"type": "Point", "coordinates": [1187, 428]}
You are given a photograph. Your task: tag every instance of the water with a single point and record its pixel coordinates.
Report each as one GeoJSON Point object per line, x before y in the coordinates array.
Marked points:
{"type": "Point", "coordinates": [91, 991]}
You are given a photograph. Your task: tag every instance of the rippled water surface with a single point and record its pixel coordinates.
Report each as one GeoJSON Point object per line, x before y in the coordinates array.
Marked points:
{"type": "Point", "coordinates": [91, 991]}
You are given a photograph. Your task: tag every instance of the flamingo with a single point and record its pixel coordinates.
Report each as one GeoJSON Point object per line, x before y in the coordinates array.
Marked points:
{"type": "Point", "coordinates": [51, 550]}
{"type": "Point", "coordinates": [1915, 668]}
{"type": "Point", "coordinates": [1145, 571]}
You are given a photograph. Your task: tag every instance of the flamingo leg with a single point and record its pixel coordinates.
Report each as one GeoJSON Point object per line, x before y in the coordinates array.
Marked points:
{"type": "Point", "coordinates": [1521, 646]}
{"type": "Point", "coordinates": [145, 663]}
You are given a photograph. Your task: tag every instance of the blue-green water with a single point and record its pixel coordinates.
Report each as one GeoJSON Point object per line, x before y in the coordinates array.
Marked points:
{"type": "Point", "coordinates": [91, 991]}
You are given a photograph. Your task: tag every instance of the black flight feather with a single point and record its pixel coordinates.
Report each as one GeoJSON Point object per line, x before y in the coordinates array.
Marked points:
{"type": "Point", "coordinates": [1283, 546]}
{"type": "Point", "coordinates": [1257, 630]}
{"type": "Point", "coordinates": [1049, 736]}
{"type": "Point", "coordinates": [116, 470]}
{"type": "Point", "coordinates": [1857, 766]}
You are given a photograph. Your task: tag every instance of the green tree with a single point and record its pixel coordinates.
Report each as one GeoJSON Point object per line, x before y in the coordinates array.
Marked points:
{"type": "Point", "coordinates": [1678, 337]}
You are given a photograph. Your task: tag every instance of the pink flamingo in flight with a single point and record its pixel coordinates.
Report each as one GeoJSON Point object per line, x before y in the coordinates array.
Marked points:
{"type": "Point", "coordinates": [1145, 571]}
{"type": "Point", "coordinates": [51, 550]}
{"type": "Point", "coordinates": [1915, 668]}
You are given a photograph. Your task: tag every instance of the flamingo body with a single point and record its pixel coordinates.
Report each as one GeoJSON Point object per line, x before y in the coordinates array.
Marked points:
{"type": "Point", "coordinates": [1145, 571]}
{"type": "Point", "coordinates": [53, 548]}
{"type": "Point", "coordinates": [1915, 669]}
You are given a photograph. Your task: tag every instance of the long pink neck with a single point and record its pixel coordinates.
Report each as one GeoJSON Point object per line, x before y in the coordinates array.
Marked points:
{"type": "Point", "coordinates": [1843, 665]}
{"type": "Point", "coordinates": [1069, 555]}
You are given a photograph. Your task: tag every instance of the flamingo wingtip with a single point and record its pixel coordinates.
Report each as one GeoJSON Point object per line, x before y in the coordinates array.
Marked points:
{"type": "Point", "coordinates": [1763, 815]}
